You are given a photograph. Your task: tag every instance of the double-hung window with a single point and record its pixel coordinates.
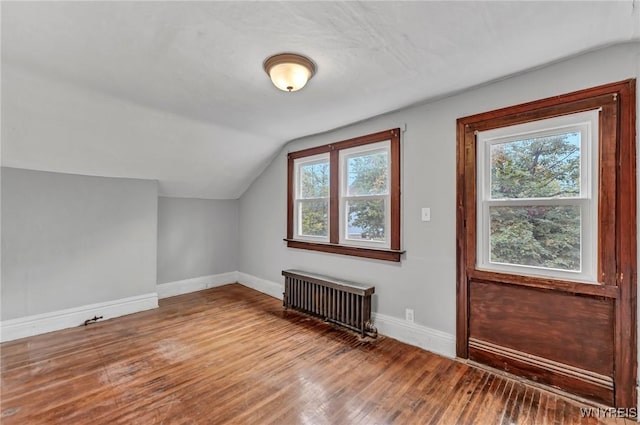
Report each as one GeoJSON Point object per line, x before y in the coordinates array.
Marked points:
{"type": "Point", "coordinates": [312, 198]}
{"type": "Point", "coordinates": [345, 197]}
{"type": "Point", "coordinates": [364, 195]}
{"type": "Point", "coordinates": [537, 197]}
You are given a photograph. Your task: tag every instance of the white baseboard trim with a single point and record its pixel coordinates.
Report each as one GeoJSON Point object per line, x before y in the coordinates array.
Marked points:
{"type": "Point", "coordinates": [410, 333]}
{"type": "Point", "coordinates": [262, 285]}
{"type": "Point", "coordinates": [413, 334]}
{"type": "Point", "coordinates": [62, 319]}
{"type": "Point", "coordinates": [179, 287]}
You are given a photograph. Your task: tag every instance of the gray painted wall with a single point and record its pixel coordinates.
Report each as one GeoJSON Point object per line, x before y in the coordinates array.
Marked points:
{"type": "Point", "coordinates": [196, 237]}
{"type": "Point", "coordinates": [70, 240]}
{"type": "Point", "coordinates": [425, 280]}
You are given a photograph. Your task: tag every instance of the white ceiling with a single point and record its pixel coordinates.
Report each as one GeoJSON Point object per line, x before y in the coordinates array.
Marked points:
{"type": "Point", "coordinates": [198, 65]}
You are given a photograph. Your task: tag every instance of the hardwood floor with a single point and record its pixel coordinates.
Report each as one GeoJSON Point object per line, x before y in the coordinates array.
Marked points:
{"type": "Point", "coordinates": [230, 355]}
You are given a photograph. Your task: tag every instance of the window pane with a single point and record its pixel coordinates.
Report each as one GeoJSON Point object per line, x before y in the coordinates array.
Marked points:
{"type": "Point", "coordinates": [314, 218]}
{"type": "Point", "coordinates": [542, 167]}
{"type": "Point", "coordinates": [366, 220]}
{"type": "Point", "coordinates": [367, 174]}
{"type": "Point", "coordinates": [314, 180]}
{"type": "Point", "coordinates": [539, 236]}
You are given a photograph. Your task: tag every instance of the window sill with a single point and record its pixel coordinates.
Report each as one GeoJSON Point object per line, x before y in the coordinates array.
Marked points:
{"type": "Point", "coordinates": [356, 251]}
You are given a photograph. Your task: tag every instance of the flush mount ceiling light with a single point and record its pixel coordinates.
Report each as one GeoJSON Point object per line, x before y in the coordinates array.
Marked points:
{"type": "Point", "coordinates": [289, 71]}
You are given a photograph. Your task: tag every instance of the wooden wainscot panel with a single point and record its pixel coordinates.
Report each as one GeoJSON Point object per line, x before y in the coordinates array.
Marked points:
{"type": "Point", "coordinates": [559, 339]}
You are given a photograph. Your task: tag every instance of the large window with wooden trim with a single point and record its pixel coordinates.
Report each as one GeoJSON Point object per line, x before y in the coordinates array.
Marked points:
{"type": "Point", "coordinates": [537, 197]}
{"type": "Point", "coordinates": [344, 197]}
{"type": "Point", "coordinates": [546, 232]}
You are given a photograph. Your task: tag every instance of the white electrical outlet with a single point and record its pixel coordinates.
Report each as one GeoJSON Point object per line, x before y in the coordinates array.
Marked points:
{"type": "Point", "coordinates": [426, 214]}
{"type": "Point", "coordinates": [408, 315]}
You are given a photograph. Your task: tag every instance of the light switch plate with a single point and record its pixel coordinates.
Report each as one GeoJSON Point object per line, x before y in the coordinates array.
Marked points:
{"type": "Point", "coordinates": [426, 214]}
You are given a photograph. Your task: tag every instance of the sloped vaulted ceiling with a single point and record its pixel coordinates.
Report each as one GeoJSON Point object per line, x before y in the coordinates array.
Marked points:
{"type": "Point", "coordinates": [175, 91]}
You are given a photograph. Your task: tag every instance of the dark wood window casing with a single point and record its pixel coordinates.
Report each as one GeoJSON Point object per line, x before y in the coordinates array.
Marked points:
{"type": "Point", "coordinates": [394, 252]}
{"type": "Point", "coordinates": [591, 326]}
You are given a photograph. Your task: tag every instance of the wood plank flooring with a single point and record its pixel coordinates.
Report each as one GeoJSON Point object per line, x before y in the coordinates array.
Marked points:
{"type": "Point", "coordinates": [231, 355]}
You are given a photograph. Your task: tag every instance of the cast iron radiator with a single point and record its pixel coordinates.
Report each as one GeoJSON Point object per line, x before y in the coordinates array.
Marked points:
{"type": "Point", "coordinates": [335, 300]}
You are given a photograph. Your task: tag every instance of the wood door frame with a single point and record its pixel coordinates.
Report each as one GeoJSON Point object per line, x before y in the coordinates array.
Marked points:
{"type": "Point", "coordinates": [619, 285]}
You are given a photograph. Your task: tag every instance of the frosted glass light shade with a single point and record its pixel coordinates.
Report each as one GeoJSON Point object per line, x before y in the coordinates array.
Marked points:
{"type": "Point", "coordinates": [288, 71]}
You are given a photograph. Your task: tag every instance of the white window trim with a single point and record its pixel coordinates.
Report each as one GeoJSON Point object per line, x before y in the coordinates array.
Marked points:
{"type": "Point", "coordinates": [587, 124]}
{"type": "Point", "coordinates": [344, 154]}
{"type": "Point", "coordinates": [297, 212]}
